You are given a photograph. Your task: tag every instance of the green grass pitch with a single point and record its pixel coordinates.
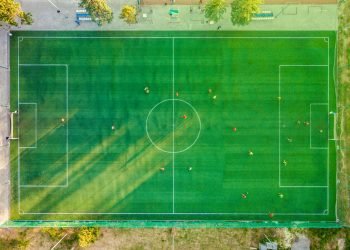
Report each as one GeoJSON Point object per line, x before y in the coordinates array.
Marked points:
{"type": "Point", "coordinates": [93, 145]}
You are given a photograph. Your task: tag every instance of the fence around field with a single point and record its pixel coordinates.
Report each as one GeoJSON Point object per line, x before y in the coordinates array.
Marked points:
{"type": "Point", "coordinates": [31, 110]}
{"type": "Point", "coordinates": [172, 224]}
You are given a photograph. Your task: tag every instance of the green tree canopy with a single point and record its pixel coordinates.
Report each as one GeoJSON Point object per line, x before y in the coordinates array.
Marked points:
{"type": "Point", "coordinates": [11, 13]}
{"type": "Point", "coordinates": [100, 12]}
{"type": "Point", "coordinates": [128, 13]}
{"type": "Point", "coordinates": [242, 10]}
{"type": "Point", "coordinates": [87, 236]}
{"type": "Point", "coordinates": [215, 9]}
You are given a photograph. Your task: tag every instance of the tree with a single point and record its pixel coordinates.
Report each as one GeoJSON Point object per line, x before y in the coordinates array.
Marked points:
{"type": "Point", "coordinates": [215, 9]}
{"type": "Point", "coordinates": [11, 13]}
{"type": "Point", "coordinates": [128, 13]}
{"type": "Point", "coordinates": [99, 11]}
{"type": "Point", "coordinates": [88, 235]}
{"type": "Point", "coordinates": [242, 10]}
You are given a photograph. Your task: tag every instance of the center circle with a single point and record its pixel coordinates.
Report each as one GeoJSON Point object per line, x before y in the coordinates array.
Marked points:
{"type": "Point", "coordinates": [173, 126]}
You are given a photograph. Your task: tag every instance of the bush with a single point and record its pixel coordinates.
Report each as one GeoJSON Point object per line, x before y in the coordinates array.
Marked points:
{"type": "Point", "coordinates": [322, 236]}
{"type": "Point", "coordinates": [215, 9]}
{"type": "Point", "coordinates": [19, 243]}
{"type": "Point", "coordinates": [55, 233]}
{"type": "Point", "coordinates": [88, 235]}
{"type": "Point", "coordinates": [12, 13]}
{"type": "Point", "coordinates": [242, 11]}
{"type": "Point", "coordinates": [128, 13]}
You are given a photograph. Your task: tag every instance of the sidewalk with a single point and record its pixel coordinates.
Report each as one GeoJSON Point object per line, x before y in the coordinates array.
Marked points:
{"type": "Point", "coordinates": [4, 128]}
{"type": "Point", "coordinates": [291, 17]}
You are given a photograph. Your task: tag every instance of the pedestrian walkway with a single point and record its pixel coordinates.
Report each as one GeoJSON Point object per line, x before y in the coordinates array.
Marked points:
{"type": "Point", "coordinates": [4, 127]}
{"type": "Point", "coordinates": [156, 17]}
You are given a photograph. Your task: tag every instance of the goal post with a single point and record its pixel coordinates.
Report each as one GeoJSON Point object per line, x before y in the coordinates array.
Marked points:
{"type": "Point", "coordinates": [12, 137]}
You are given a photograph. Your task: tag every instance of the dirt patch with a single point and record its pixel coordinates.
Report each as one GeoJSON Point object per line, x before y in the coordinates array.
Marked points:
{"type": "Point", "coordinates": [133, 239]}
{"type": "Point", "coordinates": [152, 238]}
{"type": "Point", "coordinates": [344, 112]}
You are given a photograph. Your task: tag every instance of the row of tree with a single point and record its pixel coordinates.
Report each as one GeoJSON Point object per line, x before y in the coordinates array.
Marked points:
{"type": "Point", "coordinates": [241, 11]}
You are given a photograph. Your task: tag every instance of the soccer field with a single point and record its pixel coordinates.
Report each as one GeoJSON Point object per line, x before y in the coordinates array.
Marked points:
{"type": "Point", "coordinates": [210, 126]}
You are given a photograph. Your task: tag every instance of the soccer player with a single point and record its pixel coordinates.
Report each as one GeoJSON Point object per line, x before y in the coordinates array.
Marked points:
{"type": "Point", "coordinates": [214, 97]}
{"type": "Point", "coordinates": [190, 169]}
{"type": "Point", "coordinates": [184, 116]}
{"type": "Point", "coordinates": [177, 93]}
{"type": "Point", "coordinates": [162, 169]}
{"type": "Point", "coordinates": [146, 89]}
{"type": "Point", "coordinates": [285, 162]}
{"type": "Point", "coordinates": [289, 139]}
{"type": "Point", "coordinates": [234, 129]}
{"type": "Point", "coordinates": [244, 196]}
{"type": "Point", "coordinates": [280, 195]}
{"type": "Point", "coordinates": [306, 123]}
{"type": "Point", "coordinates": [210, 90]}
{"type": "Point", "coordinates": [250, 152]}
{"type": "Point", "coordinates": [62, 120]}
{"type": "Point", "coordinates": [113, 127]}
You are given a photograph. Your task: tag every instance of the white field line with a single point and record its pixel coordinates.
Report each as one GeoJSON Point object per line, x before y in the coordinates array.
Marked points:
{"type": "Point", "coordinates": [173, 124]}
{"type": "Point", "coordinates": [67, 124]}
{"type": "Point", "coordinates": [42, 186]}
{"type": "Point", "coordinates": [304, 186]}
{"type": "Point", "coordinates": [279, 126]}
{"type": "Point", "coordinates": [67, 111]}
{"type": "Point", "coordinates": [165, 37]}
{"type": "Point", "coordinates": [18, 144]}
{"type": "Point", "coordinates": [67, 37]}
{"type": "Point", "coordinates": [41, 65]}
{"type": "Point", "coordinates": [328, 131]}
{"type": "Point", "coordinates": [279, 115]}
{"type": "Point", "coordinates": [193, 213]}
{"type": "Point", "coordinates": [310, 108]}
{"type": "Point", "coordinates": [303, 65]}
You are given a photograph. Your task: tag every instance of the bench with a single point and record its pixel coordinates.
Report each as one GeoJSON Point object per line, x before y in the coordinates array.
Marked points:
{"type": "Point", "coordinates": [264, 15]}
{"type": "Point", "coordinates": [82, 15]}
